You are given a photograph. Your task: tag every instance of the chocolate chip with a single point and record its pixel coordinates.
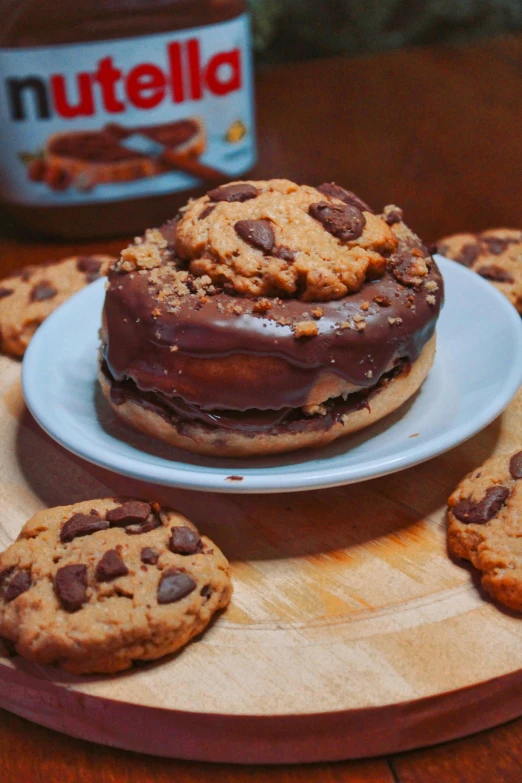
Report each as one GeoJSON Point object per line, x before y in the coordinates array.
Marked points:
{"type": "Point", "coordinates": [468, 253]}
{"type": "Point", "coordinates": [152, 523]}
{"type": "Point", "coordinates": [341, 220]}
{"type": "Point", "coordinates": [284, 253]}
{"type": "Point", "coordinates": [174, 585]}
{"type": "Point", "coordinates": [5, 292]}
{"type": "Point", "coordinates": [130, 512]}
{"type": "Point", "coordinates": [477, 513]}
{"type": "Point", "coordinates": [184, 541]}
{"type": "Point", "coordinates": [382, 301]}
{"type": "Point", "coordinates": [496, 245]}
{"type": "Point", "coordinates": [26, 273]}
{"type": "Point", "coordinates": [258, 233]}
{"type": "Point", "coordinates": [331, 189]}
{"type": "Point", "coordinates": [394, 216]}
{"type": "Point", "coordinates": [20, 583]}
{"type": "Point", "coordinates": [238, 192]}
{"type": "Point", "coordinates": [495, 273]}
{"type": "Point", "coordinates": [5, 574]}
{"type": "Point", "coordinates": [207, 211]}
{"type": "Point", "coordinates": [43, 291]}
{"type": "Point", "coordinates": [149, 555]}
{"type": "Point", "coordinates": [515, 465]}
{"type": "Point", "coordinates": [403, 266]}
{"type": "Point", "coordinates": [205, 591]}
{"type": "Point", "coordinates": [81, 525]}
{"type": "Point", "coordinates": [110, 567]}
{"type": "Point", "coordinates": [90, 266]}
{"type": "Point", "coordinates": [70, 584]}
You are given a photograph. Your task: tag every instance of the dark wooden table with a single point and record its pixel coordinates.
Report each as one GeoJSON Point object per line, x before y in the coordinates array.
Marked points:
{"type": "Point", "coordinates": [438, 131]}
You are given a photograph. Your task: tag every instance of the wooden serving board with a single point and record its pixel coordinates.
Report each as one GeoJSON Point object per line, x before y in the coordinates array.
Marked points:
{"type": "Point", "coordinates": [351, 632]}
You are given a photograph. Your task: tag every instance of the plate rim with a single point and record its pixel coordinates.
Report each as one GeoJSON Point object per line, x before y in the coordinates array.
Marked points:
{"type": "Point", "coordinates": [189, 476]}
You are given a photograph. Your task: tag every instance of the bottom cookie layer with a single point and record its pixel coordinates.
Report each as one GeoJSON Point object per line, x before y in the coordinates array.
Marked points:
{"type": "Point", "coordinates": [293, 430]}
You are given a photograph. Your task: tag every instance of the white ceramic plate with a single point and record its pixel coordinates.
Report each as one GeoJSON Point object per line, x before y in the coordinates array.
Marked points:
{"type": "Point", "coordinates": [477, 370]}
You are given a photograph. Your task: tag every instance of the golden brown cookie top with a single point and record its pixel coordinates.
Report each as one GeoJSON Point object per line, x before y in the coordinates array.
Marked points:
{"type": "Point", "coordinates": [276, 238]}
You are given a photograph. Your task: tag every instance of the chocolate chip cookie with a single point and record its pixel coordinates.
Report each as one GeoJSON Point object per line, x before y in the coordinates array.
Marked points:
{"type": "Point", "coordinates": [485, 525]}
{"type": "Point", "coordinates": [33, 293]}
{"type": "Point", "coordinates": [96, 586]}
{"type": "Point", "coordinates": [276, 238]}
{"type": "Point", "coordinates": [496, 255]}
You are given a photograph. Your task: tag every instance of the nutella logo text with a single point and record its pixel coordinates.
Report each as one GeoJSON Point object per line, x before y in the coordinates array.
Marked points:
{"type": "Point", "coordinates": [144, 86]}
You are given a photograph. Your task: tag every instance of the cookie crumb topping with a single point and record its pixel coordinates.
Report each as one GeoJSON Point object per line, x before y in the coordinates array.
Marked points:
{"type": "Point", "coordinates": [392, 214]}
{"type": "Point", "coordinates": [305, 329]}
{"type": "Point", "coordinates": [141, 256]}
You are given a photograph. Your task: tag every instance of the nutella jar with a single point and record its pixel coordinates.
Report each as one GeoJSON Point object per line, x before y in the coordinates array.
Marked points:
{"type": "Point", "coordinates": [114, 112]}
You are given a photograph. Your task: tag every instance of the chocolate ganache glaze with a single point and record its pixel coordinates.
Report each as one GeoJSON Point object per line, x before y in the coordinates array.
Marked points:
{"type": "Point", "coordinates": [154, 347]}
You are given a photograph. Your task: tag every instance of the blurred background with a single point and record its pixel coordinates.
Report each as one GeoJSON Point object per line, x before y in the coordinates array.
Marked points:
{"type": "Point", "coordinates": [414, 102]}
{"type": "Point", "coordinates": [304, 29]}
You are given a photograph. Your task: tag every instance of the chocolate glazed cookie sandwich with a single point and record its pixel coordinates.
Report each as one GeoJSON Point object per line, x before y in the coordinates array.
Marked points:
{"type": "Point", "coordinates": [268, 317]}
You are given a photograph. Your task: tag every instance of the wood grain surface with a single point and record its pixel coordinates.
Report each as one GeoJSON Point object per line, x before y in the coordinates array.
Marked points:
{"type": "Point", "coordinates": [437, 131]}
{"type": "Point", "coordinates": [349, 622]}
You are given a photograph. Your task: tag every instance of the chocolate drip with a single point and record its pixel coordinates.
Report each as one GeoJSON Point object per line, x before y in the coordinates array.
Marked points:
{"type": "Point", "coordinates": [251, 422]}
{"type": "Point", "coordinates": [135, 350]}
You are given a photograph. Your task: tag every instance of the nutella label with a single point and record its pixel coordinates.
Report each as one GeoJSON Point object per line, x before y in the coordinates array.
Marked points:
{"type": "Point", "coordinates": [113, 120]}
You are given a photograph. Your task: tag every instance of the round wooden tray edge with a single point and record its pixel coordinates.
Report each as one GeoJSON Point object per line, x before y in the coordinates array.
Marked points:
{"type": "Point", "coordinates": [245, 739]}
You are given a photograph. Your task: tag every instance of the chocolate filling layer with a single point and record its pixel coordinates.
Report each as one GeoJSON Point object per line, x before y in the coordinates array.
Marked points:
{"type": "Point", "coordinates": [250, 422]}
